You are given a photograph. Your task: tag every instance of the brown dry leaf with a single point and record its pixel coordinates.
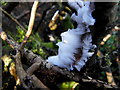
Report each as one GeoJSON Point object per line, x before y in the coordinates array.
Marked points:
{"type": "Point", "coordinates": [52, 25]}
{"type": "Point", "coordinates": [8, 61]}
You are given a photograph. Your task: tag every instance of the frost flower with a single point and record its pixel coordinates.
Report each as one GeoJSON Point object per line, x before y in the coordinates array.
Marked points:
{"type": "Point", "coordinates": [74, 50]}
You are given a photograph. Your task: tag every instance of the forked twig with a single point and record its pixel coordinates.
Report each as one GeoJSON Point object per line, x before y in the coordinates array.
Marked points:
{"type": "Point", "coordinates": [23, 75]}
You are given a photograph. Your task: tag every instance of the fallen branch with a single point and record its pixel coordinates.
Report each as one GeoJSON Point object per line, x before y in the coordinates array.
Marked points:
{"type": "Point", "coordinates": [71, 75]}
{"type": "Point", "coordinates": [47, 66]}
{"type": "Point", "coordinates": [42, 65]}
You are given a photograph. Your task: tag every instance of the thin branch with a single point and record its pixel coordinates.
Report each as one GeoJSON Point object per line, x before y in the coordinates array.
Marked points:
{"type": "Point", "coordinates": [10, 6]}
{"type": "Point", "coordinates": [105, 39]}
{"type": "Point", "coordinates": [28, 11]}
{"type": "Point", "coordinates": [12, 43]}
{"type": "Point", "coordinates": [107, 69]}
{"type": "Point", "coordinates": [118, 62]}
{"type": "Point", "coordinates": [110, 78]}
{"type": "Point", "coordinates": [98, 83]}
{"type": "Point", "coordinates": [33, 67]}
{"type": "Point", "coordinates": [23, 14]}
{"type": "Point", "coordinates": [11, 17]}
{"type": "Point", "coordinates": [37, 83]}
{"type": "Point", "coordinates": [31, 23]}
{"type": "Point", "coordinates": [20, 71]}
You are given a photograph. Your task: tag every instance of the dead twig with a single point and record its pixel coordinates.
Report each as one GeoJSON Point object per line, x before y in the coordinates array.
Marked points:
{"type": "Point", "coordinates": [98, 83]}
{"type": "Point", "coordinates": [10, 6]}
{"type": "Point", "coordinates": [108, 71]}
{"type": "Point", "coordinates": [31, 23]}
{"type": "Point", "coordinates": [20, 71]}
{"type": "Point", "coordinates": [105, 39]}
{"type": "Point", "coordinates": [11, 17]}
{"type": "Point", "coordinates": [22, 15]}
{"type": "Point", "coordinates": [28, 11]}
{"type": "Point", "coordinates": [110, 78]}
{"type": "Point", "coordinates": [12, 43]}
{"type": "Point", "coordinates": [38, 83]}
{"type": "Point", "coordinates": [118, 62]}
{"type": "Point", "coordinates": [33, 67]}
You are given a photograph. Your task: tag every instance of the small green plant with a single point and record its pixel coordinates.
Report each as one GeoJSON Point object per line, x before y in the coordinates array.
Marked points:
{"type": "Point", "coordinates": [69, 86]}
{"type": "Point", "coordinates": [35, 43]}
{"type": "Point", "coordinates": [3, 3]}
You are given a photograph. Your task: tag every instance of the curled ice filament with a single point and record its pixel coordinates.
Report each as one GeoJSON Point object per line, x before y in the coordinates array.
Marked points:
{"type": "Point", "coordinates": [74, 50]}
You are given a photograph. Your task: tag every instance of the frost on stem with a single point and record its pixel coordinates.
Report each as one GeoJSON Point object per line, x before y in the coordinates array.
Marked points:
{"type": "Point", "coordinates": [74, 50]}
